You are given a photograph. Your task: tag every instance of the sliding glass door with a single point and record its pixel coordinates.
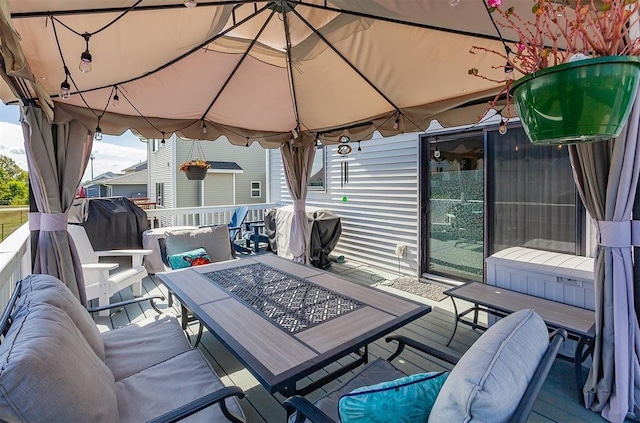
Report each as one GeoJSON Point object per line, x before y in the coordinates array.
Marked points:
{"type": "Point", "coordinates": [456, 207]}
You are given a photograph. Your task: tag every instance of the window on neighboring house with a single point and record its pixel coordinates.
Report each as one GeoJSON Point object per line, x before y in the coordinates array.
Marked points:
{"type": "Point", "coordinates": [256, 189]}
{"type": "Point", "coordinates": [160, 194]}
{"type": "Point", "coordinates": [316, 181]}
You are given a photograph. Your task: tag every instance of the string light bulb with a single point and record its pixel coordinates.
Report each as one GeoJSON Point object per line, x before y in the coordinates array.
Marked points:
{"type": "Point", "coordinates": [190, 4]}
{"type": "Point", "coordinates": [359, 149]}
{"type": "Point", "coordinates": [85, 57]}
{"type": "Point", "coordinates": [503, 127]}
{"type": "Point", "coordinates": [508, 72]}
{"type": "Point", "coordinates": [64, 86]}
{"type": "Point", "coordinates": [116, 99]}
{"type": "Point", "coordinates": [98, 133]}
{"type": "Point", "coordinates": [203, 127]}
{"type": "Point", "coordinates": [247, 144]}
{"type": "Point", "coordinates": [64, 89]}
{"type": "Point", "coordinates": [396, 123]}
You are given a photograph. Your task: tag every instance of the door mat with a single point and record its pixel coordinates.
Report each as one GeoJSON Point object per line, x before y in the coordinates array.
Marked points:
{"type": "Point", "coordinates": [416, 287]}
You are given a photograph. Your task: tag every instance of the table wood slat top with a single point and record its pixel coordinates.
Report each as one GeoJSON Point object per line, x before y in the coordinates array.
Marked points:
{"type": "Point", "coordinates": [574, 319]}
{"type": "Point", "coordinates": [344, 328]}
{"type": "Point", "coordinates": [272, 347]}
{"type": "Point", "coordinates": [276, 356]}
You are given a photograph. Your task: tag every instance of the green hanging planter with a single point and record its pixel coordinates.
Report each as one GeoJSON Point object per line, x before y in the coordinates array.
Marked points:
{"type": "Point", "coordinates": [582, 101]}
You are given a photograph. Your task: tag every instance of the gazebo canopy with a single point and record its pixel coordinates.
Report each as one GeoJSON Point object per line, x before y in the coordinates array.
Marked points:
{"type": "Point", "coordinates": [255, 70]}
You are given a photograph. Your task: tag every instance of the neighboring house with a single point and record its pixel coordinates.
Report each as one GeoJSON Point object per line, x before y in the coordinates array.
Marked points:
{"type": "Point", "coordinates": [237, 174]}
{"type": "Point", "coordinates": [452, 196]}
{"type": "Point", "coordinates": [95, 187]}
{"type": "Point", "coordinates": [131, 184]}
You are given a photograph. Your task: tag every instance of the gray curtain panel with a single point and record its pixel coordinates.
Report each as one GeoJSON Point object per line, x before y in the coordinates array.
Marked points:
{"type": "Point", "coordinates": [606, 174]}
{"type": "Point", "coordinates": [297, 162]}
{"type": "Point", "coordinates": [57, 156]}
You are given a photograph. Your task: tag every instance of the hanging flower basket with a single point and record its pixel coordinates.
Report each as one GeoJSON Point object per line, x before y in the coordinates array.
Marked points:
{"type": "Point", "coordinates": [196, 170]}
{"type": "Point", "coordinates": [582, 101]}
{"type": "Point", "coordinates": [196, 173]}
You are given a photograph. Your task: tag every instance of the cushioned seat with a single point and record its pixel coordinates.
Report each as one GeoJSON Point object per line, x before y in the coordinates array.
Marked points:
{"type": "Point", "coordinates": [495, 381]}
{"type": "Point", "coordinates": [143, 395]}
{"type": "Point", "coordinates": [141, 345]}
{"type": "Point", "coordinates": [56, 366]}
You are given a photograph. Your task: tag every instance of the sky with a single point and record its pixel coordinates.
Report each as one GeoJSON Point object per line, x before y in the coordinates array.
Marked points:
{"type": "Point", "coordinates": [111, 154]}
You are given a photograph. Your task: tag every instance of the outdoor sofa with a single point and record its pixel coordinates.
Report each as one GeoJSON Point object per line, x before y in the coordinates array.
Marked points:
{"type": "Point", "coordinates": [56, 366]}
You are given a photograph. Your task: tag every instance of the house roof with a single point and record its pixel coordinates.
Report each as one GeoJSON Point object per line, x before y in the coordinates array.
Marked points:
{"type": "Point", "coordinates": [132, 178]}
{"type": "Point", "coordinates": [232, 166]}
{"type": "Point", "coordinates": [136, 167]}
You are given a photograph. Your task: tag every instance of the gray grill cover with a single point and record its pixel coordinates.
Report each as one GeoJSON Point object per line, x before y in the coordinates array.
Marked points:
{"type": "Point", "coordinates": [325, 233]}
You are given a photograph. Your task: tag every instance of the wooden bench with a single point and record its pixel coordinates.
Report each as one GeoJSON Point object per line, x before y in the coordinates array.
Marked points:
{"type": "Point", "coordinates": [578, 322]}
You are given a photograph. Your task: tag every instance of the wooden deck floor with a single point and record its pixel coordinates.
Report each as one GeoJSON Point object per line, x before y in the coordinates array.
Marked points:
{"type": "Point", "coordinates": [558, 401]}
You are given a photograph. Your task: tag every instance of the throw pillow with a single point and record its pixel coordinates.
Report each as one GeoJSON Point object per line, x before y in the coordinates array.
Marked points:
{"type": "Point", "coordinates": [405, 400]}
{"type": "Point", "coordinates": [191, 258]}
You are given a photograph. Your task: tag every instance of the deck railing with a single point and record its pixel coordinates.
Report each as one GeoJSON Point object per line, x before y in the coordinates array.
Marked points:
{"type": "Point", "coordinates": [15, 262]}
{"type": "Point", "coordinates": [200, 216]}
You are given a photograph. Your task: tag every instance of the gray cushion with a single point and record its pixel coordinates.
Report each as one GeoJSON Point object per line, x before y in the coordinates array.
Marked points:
{"type": "Point", "coordinates": [188, 376]}
{"type": "Point", "coordinates": [138, 346]}
{"type": "Point", "coordinates": [487, 383]}
{"type": "Point", "coordinates": [373, 373]}
{"type": "Point", "coordinates": [49, 373]}
{"type": "Point", "coordinates": [50, 290]}
{"type": "Point", "coordinates": [214, 239]}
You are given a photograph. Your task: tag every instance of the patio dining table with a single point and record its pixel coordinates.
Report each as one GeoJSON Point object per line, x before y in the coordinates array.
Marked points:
{"type": "Point", "coordinates": [284, 320]}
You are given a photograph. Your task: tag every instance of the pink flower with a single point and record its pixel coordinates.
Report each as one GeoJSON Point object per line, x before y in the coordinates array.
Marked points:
{"type": "Point", "coordinates": [494, 3]}
{"type": "Point", "coordinates": [520, 46]}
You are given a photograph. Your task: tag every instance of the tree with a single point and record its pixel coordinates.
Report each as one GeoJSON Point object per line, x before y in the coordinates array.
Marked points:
{"type": "Point", "coordinates": [14, 188]}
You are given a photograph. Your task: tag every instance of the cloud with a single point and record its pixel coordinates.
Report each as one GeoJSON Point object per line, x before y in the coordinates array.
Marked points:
{"type": "Point", "coordinates": [116, 154]}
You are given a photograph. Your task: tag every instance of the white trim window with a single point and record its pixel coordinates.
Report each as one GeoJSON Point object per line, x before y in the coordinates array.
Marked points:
{"type": "Point", "coordinates": [256, 189]}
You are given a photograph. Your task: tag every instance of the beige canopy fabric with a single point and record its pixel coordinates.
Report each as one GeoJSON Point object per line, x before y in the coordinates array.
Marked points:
{"type": "Point", "coordinates": [257, 70]}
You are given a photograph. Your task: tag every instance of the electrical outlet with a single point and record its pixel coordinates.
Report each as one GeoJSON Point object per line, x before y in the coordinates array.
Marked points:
{"type": "Point", "coordinates": [401, 250]}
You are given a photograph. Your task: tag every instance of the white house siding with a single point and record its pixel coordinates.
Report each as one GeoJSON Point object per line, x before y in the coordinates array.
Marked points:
{"type": "Point", "coordinates": [160, 168]}
{"type": "Point", "coordinates": [382, 200]}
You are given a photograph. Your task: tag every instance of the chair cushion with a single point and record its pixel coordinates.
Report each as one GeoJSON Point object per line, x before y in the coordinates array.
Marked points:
{"type": "Point", "coordinates": [408, 400]}
{"type": "Point", "coordinates": [489, 380]}
{"type": "Point", "coordinates": [191, 258]}
{"type": "Point", "coordinates": [214, 239]}
{"type": "Point", "coordinates": [50, 290]}
{"type": "Point", "coordinates": [187, 376]}
{"type": "Point", "coordinates": [377, 371]}
{"type": "Point", "coordinates": [48, 372]}
{"type": "Point", "coordinates": [141, 345]}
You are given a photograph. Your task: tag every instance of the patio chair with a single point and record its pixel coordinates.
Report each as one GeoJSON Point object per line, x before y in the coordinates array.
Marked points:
{"type": "Point", "coordinates": [214, 240]}
{"type": "Point", "coordinates": [497, 380]}
{"type": "Point", "coordinates": [99, 282]}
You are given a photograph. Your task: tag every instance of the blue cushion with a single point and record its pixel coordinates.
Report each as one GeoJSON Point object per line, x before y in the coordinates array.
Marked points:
{"type": "Point", "coordinates": [405, 400]}
{"type": "Point", "coordinates": [189, 258]}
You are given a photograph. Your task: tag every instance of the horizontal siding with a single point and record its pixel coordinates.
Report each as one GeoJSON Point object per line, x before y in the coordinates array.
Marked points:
{"type": "Point", "coordinates": [382, 200]}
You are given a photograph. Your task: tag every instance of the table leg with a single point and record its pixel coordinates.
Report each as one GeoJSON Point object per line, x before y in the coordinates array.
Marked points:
{"type": "Point", "coordinates": [455, 323]}
{"type": "Point", "coordinates": [256, 239]}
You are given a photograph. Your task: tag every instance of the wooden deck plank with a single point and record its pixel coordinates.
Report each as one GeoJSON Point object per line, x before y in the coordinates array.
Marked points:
{"type": "Point", "coordinates": [557, 402]}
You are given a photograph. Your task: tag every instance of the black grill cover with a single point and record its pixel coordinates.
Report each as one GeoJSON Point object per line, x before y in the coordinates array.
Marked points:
{"type": "Point", "coordinates": [111, 223]}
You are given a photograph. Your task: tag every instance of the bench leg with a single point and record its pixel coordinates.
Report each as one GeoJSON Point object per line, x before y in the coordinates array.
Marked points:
{"type": "Point", "coordinates": [583, 349]}
{"type": "Point", "coordinates": [455, 322]}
